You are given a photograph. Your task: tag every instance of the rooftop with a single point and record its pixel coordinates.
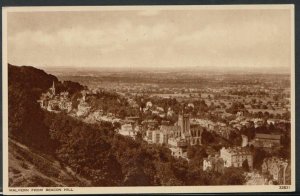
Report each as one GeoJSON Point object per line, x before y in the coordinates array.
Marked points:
{"type": "Point", "coordinates": [237, 150]}
{"type": "Point", "coordinates": [267, 136]}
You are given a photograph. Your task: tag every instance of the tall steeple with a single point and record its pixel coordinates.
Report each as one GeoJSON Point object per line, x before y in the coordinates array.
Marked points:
{"type": "Point", "coordinates": [53, 88]}
{"type": "Point", "coordinates": [184, 123]}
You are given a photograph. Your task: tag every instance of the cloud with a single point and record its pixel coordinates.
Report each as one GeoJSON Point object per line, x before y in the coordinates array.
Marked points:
{"type": "Point", "coordinates": [248, 41]}
{"type": "Point", "coordinates": [177, 39]}
{"type": "Point", "coordinates": [114, 37]}
{"type": "Point", "coordinates": [247, 33]}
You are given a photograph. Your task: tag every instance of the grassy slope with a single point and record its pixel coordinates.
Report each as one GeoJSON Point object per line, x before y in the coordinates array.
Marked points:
{"type": "Point", "coordinates": [31, 169]}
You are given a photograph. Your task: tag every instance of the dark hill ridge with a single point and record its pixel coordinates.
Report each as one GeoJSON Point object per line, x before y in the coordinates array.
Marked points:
{"type": "Point", "coordinates": [25, 85]}
{"type": "Point", "coordinates": [38, 81]}
{"type": "Point", "coordinates": [30, 78]}
{"type": "Point", "coordinates": [25, 118]}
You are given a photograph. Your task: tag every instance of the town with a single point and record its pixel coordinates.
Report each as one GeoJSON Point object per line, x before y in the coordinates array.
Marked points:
{"type": "Point", "coordinates": [240, 124]}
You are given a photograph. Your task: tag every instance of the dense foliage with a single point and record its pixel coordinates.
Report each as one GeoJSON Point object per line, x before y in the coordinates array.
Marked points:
{"type": "Point", "coordinates": [25, 117]}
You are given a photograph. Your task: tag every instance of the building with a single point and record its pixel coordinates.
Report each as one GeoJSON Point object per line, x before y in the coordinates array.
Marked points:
{"type": "Point", "coordinates": [178, 147]}
{"type": "Point", "coordinates": [54, 102]}
{"type": "Point", "coordinates": [52, 89]}
{"type": "Point", "coordinates": [278, 169]}
{"type": "Point", "coordinates": [208, 124]}
{"type": "Point", "coordinates": [53, 105]}
{"type": "Point", "coordinates": [224, 131]}
{"type": "Point", "coordinates": [178, 152]}
{"type": "Point", "coordinates": [156, 137]}
{"type": "Point", "coordinates": [132, 118]}
{"type": "Point", "coordinates": [213, 163]}
{"type": "Point", "coordinates": [266, 140]}
{"type": "Point", "coordinates": [148, 136]}
{"type": "Point", "coordinates": [234, 157]}
{"type": "Point", "coordinates": [184, 123]}
{"type": "Point", "coordinates": [149, 124]}
{"type": "Point", "coordinates": [65, 105]}
{"type": "Point", "coordinates": [195, 135]}
{"type": "Point", "coordinates": [258, 122]}
{"type": "Point", "coordinates": [47, 100]}
{"type": "Point", "coordinates": [172, 131]}
{"type": "Point", "coordinates": [159, 137]}
{"type": "Point", "coordinates": [244, 140]}
{"type": "Point", "coordinates": [191, 135]}
{"type": "Point", "coordinates": [127, 130]}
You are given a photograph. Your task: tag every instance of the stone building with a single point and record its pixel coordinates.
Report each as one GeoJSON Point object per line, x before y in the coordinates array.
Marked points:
{"type": "Point", "coordinates": [234, 157]}
{"type": "Point", "coordinates": [184, 123]}
{"type": "Point", "coordinates": [156, 137]}
{"type": "Point", "coordinates": [266, 140]}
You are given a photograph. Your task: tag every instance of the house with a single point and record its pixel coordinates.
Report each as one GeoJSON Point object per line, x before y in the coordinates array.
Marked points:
{"type": "Point", "coordinates": [244, 140]}
{"type": "Point", "coordinates": [178, 152]}
{"type": "Point", "coordinates": [150, 123]}
{"type": "Point", "coordinates": [178, 147]}
{"type": "Point", "coordinates": [156, 137]}
{"type": "Point", "coordinates": [258, 122]}
{"type": "Point", "coordinates": [127, 130]}
{"type": "Point", "coordinates": [234, 157]}
{"type": "Point", "coordinates": [173, 131]}
{"type": "Point", "coordinates": [266, 140]}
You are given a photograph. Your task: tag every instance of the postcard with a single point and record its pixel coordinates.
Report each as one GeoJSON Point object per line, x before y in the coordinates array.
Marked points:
{"type": "Point", "coordinates": [148, 99]}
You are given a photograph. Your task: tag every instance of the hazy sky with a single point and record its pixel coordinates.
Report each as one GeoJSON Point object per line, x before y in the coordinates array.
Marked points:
{"type": "Point", "coordinates": [238, 39]}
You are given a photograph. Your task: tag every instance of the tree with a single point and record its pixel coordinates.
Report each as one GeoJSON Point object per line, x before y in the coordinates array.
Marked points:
{"type": "Point", "coordinates": [139, 136]}
{"type": "Point", "coordinates": [180, 168]}
{"type": "Point", "coordinates": [258, 156]}
{"type": "Point", "coordinates": [122, 113]}
{"type": "Point", "coordinates": [276, 98]}
{"type": "Point", "coordinates": [116, 125]}
{"type": "Point", "coordinates": [235, 107]}
{"type": "Point", "coordinates": [136, 177]}
{"type": "Point", "coordinates": [206, 137]}
{"type": "Point", "coordinates": [25, 122]}
{"type": "Point", "coordinates": [245, 165]}
{"type": "Point", "coordinates": [232, 176]}
{"type": "Point", "coordinates": [196, 154]}
{"type": "Point", "coordinates": [74, 99]}
{"type": "Point", "coordinates": [235, 138]}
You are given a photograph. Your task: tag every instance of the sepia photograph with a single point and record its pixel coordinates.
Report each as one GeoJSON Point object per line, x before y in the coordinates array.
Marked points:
{"type": "Point", "coordinates": [148, 99]}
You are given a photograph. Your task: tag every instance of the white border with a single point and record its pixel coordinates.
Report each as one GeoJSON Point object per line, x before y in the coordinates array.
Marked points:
{"type": "Point", "coordinates": [153, 189]}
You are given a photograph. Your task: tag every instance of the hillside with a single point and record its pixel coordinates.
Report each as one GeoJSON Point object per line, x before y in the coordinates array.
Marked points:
{"type": "Point", "coordinates": [25, 118]}
{"type": "Point", "coordinates": [37, 81]}
{"type": "Point", "coordinates": [28, 167]}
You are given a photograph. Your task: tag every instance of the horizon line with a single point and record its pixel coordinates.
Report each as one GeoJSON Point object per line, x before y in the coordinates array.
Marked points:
{"type": "Point", "coordinates": [187, 69]}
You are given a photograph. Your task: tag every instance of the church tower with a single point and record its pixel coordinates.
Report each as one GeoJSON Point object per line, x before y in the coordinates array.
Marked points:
{"type": "Point", "coordinates": [53, 88]}
{"type": "Point", "coordinates": [184, 123]}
